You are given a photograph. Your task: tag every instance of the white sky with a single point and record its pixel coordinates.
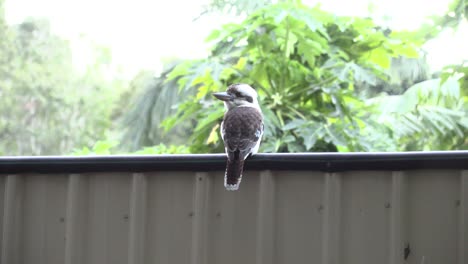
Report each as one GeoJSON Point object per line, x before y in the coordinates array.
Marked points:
{"type": "Point", "coordinates": [142, 32]}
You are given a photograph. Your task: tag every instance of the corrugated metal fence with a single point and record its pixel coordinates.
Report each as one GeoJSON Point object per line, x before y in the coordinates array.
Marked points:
{"type": "Point", "coordinates": [277, 216]}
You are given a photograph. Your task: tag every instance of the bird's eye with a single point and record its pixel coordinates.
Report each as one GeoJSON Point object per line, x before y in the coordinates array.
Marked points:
{"type": "Point", "coordinates": [238, 94]}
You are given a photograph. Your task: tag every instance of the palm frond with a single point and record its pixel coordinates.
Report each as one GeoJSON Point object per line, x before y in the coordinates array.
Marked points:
{"type": "Point", "coordinates": [428, 113]}
{"type": "Point", "coordinates": [156, 102]}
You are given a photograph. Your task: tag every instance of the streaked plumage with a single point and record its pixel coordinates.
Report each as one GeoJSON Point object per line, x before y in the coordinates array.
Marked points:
{"type": "Point", "coordinates": [241, 130]}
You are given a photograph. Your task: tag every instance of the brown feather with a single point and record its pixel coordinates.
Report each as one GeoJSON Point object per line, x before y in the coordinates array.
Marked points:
{"type": "Point", "coordinates": [234, 170]}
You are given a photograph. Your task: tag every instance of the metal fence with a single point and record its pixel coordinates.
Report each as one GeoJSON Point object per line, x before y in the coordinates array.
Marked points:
{"type": "Point", "coordinates": [310, 208]}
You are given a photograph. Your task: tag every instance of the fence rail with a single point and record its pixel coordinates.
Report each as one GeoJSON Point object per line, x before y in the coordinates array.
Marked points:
{"type": "Point", "coordinates": [291, 208]}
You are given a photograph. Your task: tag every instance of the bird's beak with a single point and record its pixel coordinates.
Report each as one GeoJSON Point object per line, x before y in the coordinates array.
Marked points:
{"type": "Point", "coordinates": [223, 96]}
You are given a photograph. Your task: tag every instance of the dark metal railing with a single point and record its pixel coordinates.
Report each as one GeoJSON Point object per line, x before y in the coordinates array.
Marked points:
{"type": "Point", "coordinates": [328, 162]}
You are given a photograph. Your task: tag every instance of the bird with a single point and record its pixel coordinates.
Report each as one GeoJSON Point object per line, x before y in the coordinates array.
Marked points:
{"type": "Point", "coordinates": [241, 129]}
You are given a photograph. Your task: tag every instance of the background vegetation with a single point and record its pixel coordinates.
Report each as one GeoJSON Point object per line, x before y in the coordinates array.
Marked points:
{"type": "Point", "coordinates": [326, 83]}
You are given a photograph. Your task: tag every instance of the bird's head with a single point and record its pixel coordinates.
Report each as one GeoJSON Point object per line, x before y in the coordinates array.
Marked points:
{"type": "Point", "coordinates": [238, 95]}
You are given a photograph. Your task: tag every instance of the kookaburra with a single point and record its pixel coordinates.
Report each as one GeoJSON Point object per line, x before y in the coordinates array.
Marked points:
{"type": "Point", "coordinates": [241, 130]}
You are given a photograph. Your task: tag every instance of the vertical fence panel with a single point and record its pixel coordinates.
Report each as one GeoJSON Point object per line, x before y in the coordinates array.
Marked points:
{"type": "Point", "coordinates": [266, 219]}
{"type": "Point", "coordinates": [169, 217]}
{"type": "Point", "coordinates": [233, 232]}
{"type": "Point", "coordinates": [75, 220]}
{"type": "Point", "coordinates": [201, 218]}
{"type": "Point", "coordinates": [44, 218]}
{"type": "Point", "coordinates": [35, 219]}
{"type": "Point", "coordinates": [433, 212]}
{"type": "Point", "coordinates": [299, 200]}
{"type": "Point", "coordinates": [331, 219]}
{"type": "Point", "coordinates": [463, 219]}
{"type": "Point", "coordinates": [12, 219]}
{"type": "Point", "coordinates": [398, 218]}
{"type": "Point", "coordinates": [221, 238]}
{"type": "Point", "coordinates": [365, 217]}
{"type": "Point", "coordinates": [108, 218]}
{"type": "Point", "coordinates": [138, 198]}
{"type": "Point", "coordinates": [3, 181]}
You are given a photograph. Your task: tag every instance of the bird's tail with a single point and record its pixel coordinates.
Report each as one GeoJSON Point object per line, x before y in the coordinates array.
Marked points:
{"type": "Point", "coordinates": [233, 175]}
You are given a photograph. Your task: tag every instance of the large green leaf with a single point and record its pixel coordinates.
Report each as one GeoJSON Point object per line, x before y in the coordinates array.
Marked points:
{"type": "Point", "coordinates": [314, 73]}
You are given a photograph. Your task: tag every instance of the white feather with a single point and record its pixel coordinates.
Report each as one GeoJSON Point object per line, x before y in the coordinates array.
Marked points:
{"type": "Point", "coordinates": [231, 187]}
{"type": "Point", "coordinates": [246, 90]}
{"type": "Point", "coordinates": [257, 146]}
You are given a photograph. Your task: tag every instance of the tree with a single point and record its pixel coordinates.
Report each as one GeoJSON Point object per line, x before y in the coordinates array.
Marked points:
{"type": "Point", "coordinates": [316, 75]}
{"type": "Point", "coordinates": [46, 106]}
{"type": "Point", "coordinates": [155, 100]}
{"type": "Point", "coordinates": [432, 113]}
{"type": "Point", "coordinates": [428, 116]}
{"type": "Point", "coordinates": [305, 63]}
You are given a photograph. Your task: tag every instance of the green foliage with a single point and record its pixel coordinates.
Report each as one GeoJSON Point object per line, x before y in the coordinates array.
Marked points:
{"type": "Point", "coordinates": [108, 147]}
{"type": "Point", "coordinates": [163, 149]}
{"type": "Point", "coordinates": [54, 107]}
{"type": "Point", "coordinates": [315, 74]}
{"type": "Point", "coordinates": [304, 63]}
{"type": "Point", "coordinates": [150, 105]}
{"type": "Point", "coordinates": [427, 116]}
{"type": "Point", "coordinates": [402, 74]}
{"type": "Point", "coordinates": [459, 72]}
{"type": "Point", "coordinates": [99, 148]}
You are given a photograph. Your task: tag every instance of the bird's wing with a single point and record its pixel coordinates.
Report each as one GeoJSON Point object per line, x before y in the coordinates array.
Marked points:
{"type": "Point", "coordinates": [241, 130]}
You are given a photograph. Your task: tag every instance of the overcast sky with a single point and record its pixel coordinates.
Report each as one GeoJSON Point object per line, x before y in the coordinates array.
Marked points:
{"type": "Point", "coordinates": [142, 32]}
